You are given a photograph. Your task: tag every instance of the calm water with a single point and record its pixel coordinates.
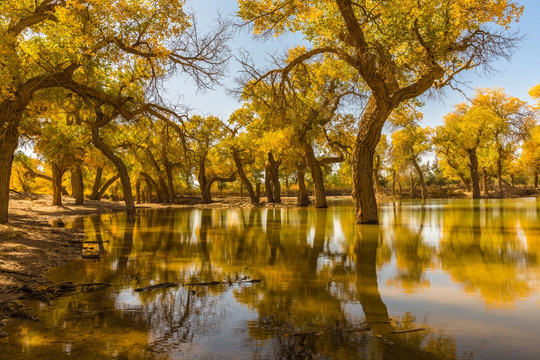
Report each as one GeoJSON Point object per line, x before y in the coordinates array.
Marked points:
{"type": "Point", "coordinates": [465, 272]}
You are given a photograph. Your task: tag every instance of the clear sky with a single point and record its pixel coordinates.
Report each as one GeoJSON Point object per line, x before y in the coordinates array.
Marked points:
{"type": "Point", "coordinates": [516, 76]}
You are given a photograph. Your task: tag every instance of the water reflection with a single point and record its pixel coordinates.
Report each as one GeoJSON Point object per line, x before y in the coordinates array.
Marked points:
{"type": "Point", "coordinates": [464, 274]}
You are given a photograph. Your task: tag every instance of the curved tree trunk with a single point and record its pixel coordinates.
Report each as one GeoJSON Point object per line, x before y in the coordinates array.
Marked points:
{"type": "Point", "coordinates": [120, 166]}
{"type": "Point", "coordinates": [303, 198]}
{"type": "Point", "coordinates": [106, 186]}
{"type": "Point", "coordinates": [97, 183]}
{"type": "Point", "coordinates": [421, 176]}
{"type": "Point", "coordinates": [77, 185]}
{"type": "Point", "coordinates": [316, 174]}
{"type": "Point", "coordinates": [254, 198]}
{"type": "Point", "coordinates": [473, 166]}
{"type": "Point", "coordinates": [57, 174]}
{"type": "Point", "coordinates": [151, 185]}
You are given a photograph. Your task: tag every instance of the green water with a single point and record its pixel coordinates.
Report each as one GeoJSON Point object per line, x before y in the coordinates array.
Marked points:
{"type": "Point", "coordinates": [465, 272]}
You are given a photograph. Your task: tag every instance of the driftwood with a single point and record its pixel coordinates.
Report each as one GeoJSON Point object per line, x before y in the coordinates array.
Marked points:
{"type": "Point", "coordinates": [157, 286]}
{"type": "Point", "coordinates": [208, 283]}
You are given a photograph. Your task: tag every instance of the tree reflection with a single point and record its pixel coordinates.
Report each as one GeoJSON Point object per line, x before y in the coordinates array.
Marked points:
{"type": "Point", "coordinates": [321, 282]}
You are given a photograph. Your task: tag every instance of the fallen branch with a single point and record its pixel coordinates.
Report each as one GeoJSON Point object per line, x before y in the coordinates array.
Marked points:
{"type": "Point", "coordinates": [407, 331]}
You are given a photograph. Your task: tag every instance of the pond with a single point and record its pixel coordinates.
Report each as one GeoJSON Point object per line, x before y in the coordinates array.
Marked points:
{"type": "Point", "coordinates": [444, 279]}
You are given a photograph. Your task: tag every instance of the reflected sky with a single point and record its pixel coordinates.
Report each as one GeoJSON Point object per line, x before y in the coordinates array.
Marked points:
{"type": "Point", "coordinates": [465, 272]}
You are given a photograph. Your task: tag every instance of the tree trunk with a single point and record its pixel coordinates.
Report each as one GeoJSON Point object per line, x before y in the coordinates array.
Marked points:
{"type": "Point", "coordinates": [203, 183]}
{"type": "Point", "coordinates": [536, 180]}
{"type": "Point", "coordinates": [9, 139]}
{"type": "Point", "coordinates": [254, 198]}
{"type": "Point", "coordinates": [57, 174]}
{"type": "Point", "coordinates": [151, 185]}
{"type": "Point", "coordinates": [274, 178]}
{"type": "Point", "coordinates": [268, 184]}
{"type": "Point", "coordinates": [512, 179]}
{"type": "Point", "coordinates": [164, 191]}
{"type": "Point", "coordinates": [303, 198]}
{"type": "Point", "coordinates": [376, 173]}
{"type": "Point", "coordinates": [138, 191]}
{"type": "Point", "coordinates": [316, 174]}
{"type": "Point", "coordinates": [473, 167]}
{"type": "Point", "coordinates": [413, 189]}
{"type": "Point", "coordinates": [170, 182]}
{"type": "Point", "coordinates": [120, 166]}
{"type": "Point", "coordinates": [485, 181]}
{"type": "Point", "coordinates": [369, 134]}
{"type": "Point", "coordinates": [499, 173]}
{"type": "Point", "coordinates": [421, 176]}
{"type": "Point", "coordinates": [97, 183]}
{"type": "Point", "coordinates": [464, 181]}
{"type": "Point", "coordinates": [393, 183]}
{"type": "Point", "coordinates": [106, 186]}
{"type": "Point", "coordinates": [400, 189]}
{"type": "Point", "coordinates": [77, 185]}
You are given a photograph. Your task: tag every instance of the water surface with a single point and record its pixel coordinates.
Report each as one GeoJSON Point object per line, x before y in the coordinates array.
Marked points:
{"type": "Point", "coordinates": [465, 272]}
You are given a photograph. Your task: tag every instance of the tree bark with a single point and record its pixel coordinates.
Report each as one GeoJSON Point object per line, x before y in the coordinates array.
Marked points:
{"type": "Point", "coordinates": [97, 183]}
{"type": "Point", "coordinates": [393, 183]}
{"type": "Point", "coordinates": [77, 185]}
{"type": "Point", "coordinates": [57, 174]}
{"type": "Point", "coordinates": [512, 179]}
{"type": "Point", "coordinates": [421, 176]}
{"type": "Point", "coordinates": [120, 166]}
{"type": "Point", "coordinates": [536, 180]}
{"type": "Point", "coordinates": [303, 198]}
{"type": "Point", "coordinates": [252, 195]}
{"type": "Point", "coordinates": [473, 167]}
{"type": "Point", "coordinates": [9, 140]}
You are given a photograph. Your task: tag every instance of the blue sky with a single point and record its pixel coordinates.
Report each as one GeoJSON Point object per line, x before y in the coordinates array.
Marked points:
{"type": "Point", "coordinates": [516, 76]}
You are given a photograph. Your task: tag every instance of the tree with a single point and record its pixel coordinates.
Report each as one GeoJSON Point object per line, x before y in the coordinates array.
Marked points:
{"type": "Point", "coordinates": [88, 46]}
{"type": "Point", "coordinates": [399, 51]}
